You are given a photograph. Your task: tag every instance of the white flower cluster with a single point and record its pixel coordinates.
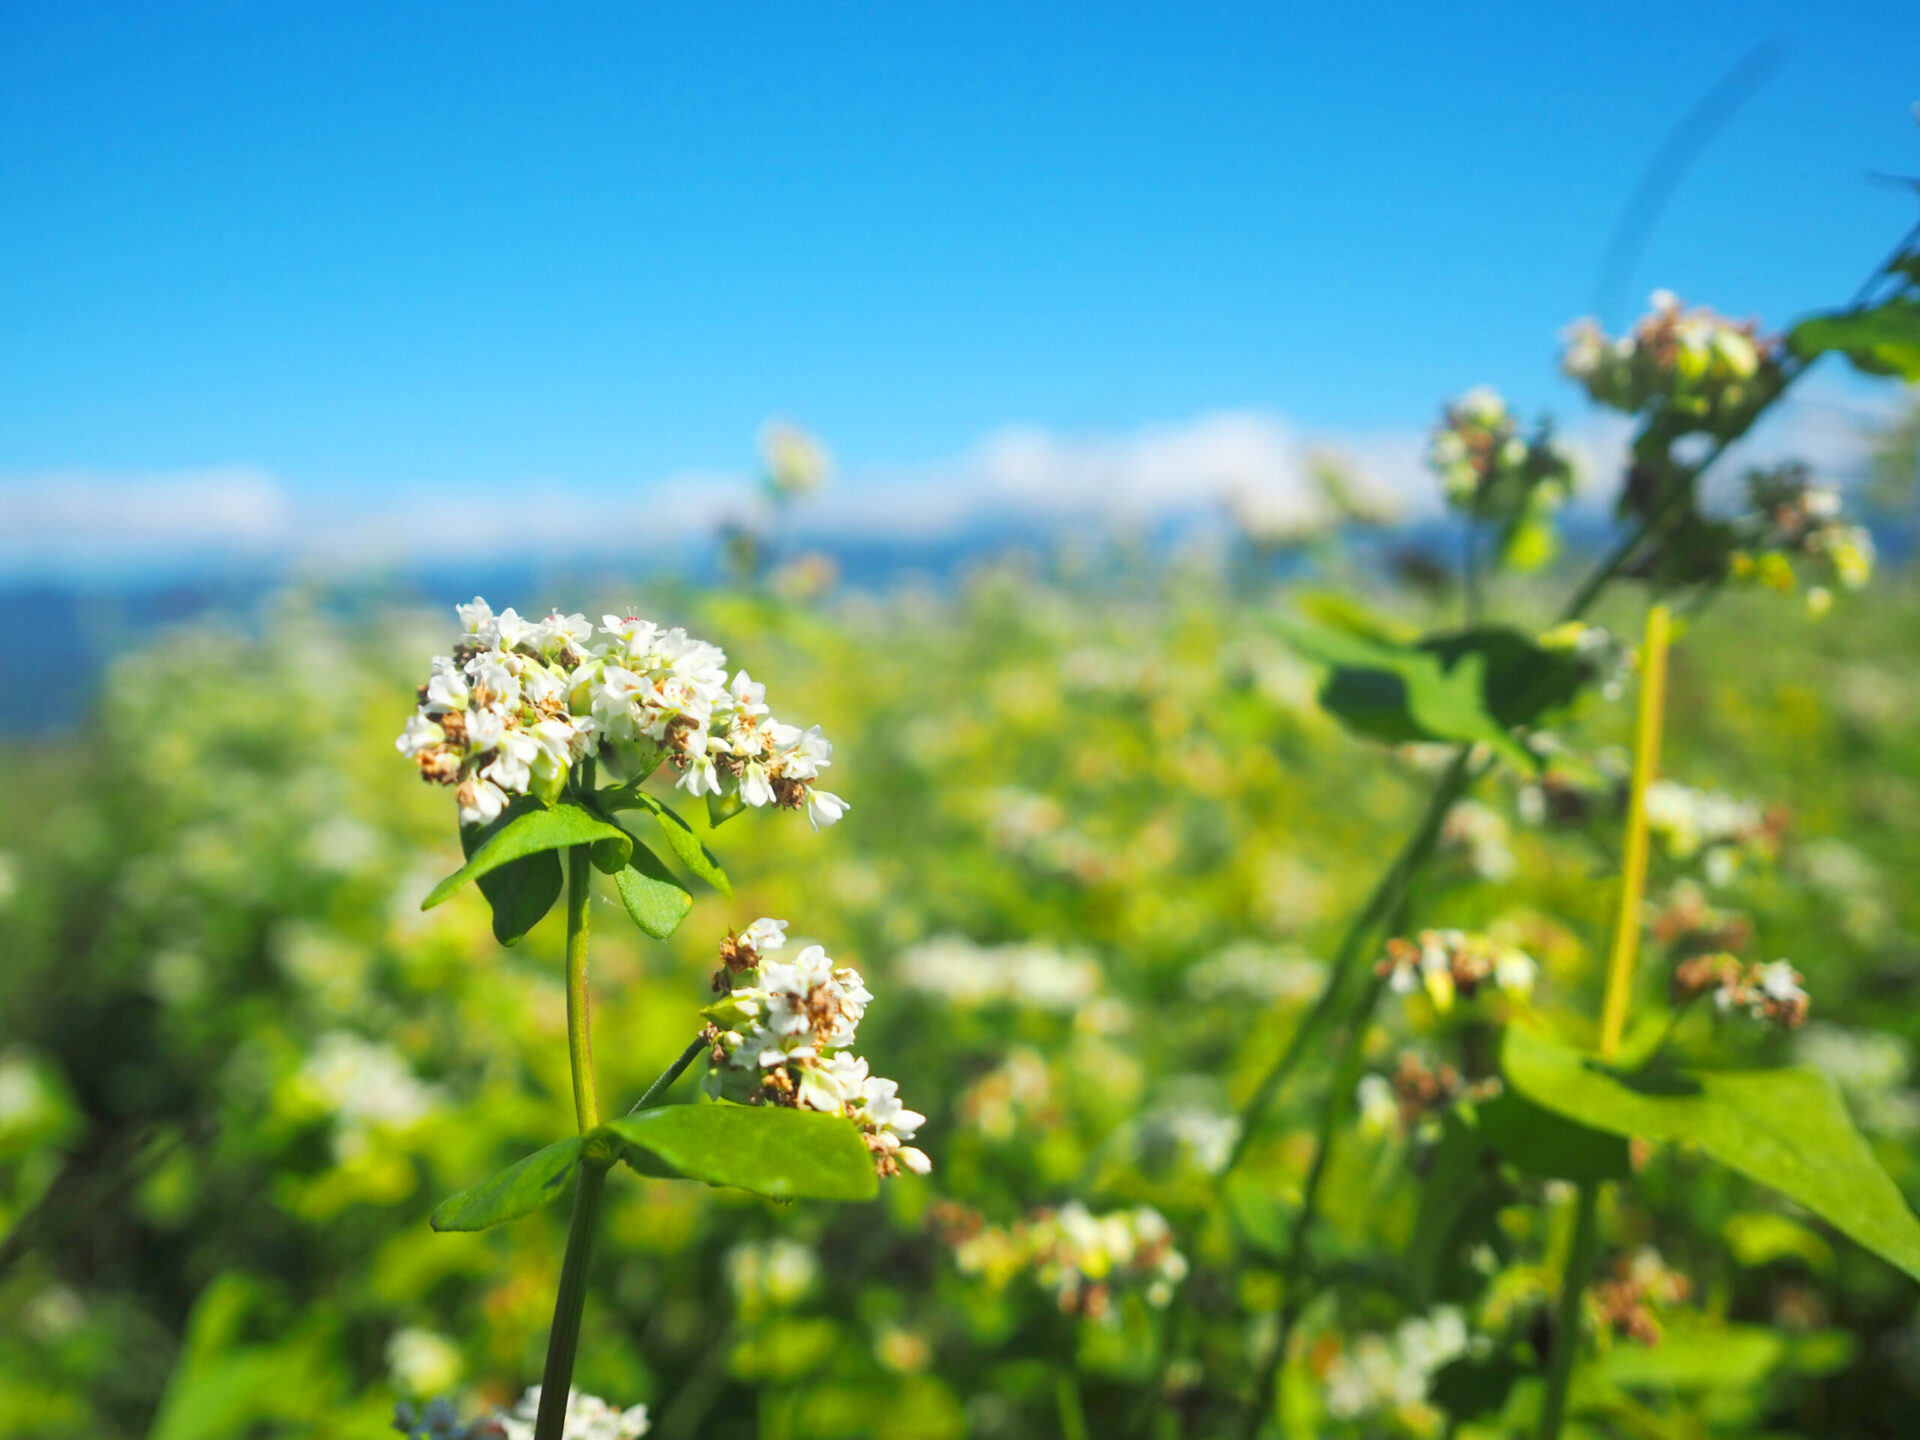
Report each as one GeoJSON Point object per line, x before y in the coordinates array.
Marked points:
{"type": "Point", "coordinates": [783, 1035]}
{"type": "Point", "coordinates": [1248, 970]}
{"type": "Point", "coordinates": [1009, 1098]}
{"type": "Point", "coordinates": [1694, 365]}
{"type": "Point", "coordinates": [1487, 468]}
{"type": "Point", "coordinates": [1452, 964]}
{"type": "Point", "coordinates": [1770, 991]}
{"type": "Point", "coordinates": [588, 1418]}
{"type": "Point", "coordinates": [367, 1086]}
{"type": "Point", "coordinates": [1794, 519]}
{"type": "Point", "coordinates": [1480, 835]}
{"type": "Point", "coordinates": [955, 969]}
{"type": "Point", "coordinates": [1729, 831]}
{"type": "Point", "coordinates": [1414, 1097]}
{"type": "Point", "coordinates": [1629, 1301]}
{"type": "Point", "coordinates": [1079, 1258]}
{"type": "Point", "coordinates": [1197, 1134]}
{"type": "Point", "coordinates": [1382, 1374]}
{"type": "Point", "coordinates": [519, 702]}
{"type": "Point", "coordinates": [770, 1274]}
{"type": "Point", "coordinates": [496, 715]}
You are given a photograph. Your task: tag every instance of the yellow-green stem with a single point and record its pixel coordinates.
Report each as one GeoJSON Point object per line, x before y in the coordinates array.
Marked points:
{"type": "Point", "coordinates": [1648, 720]}
{"type": "Point", "coordinates": [1633, 867]}
{"type": "Point", "coordinates": [586, 1107]}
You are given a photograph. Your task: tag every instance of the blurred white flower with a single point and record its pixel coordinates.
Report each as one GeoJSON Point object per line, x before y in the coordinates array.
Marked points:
{"type": "Point", "coordinates": [1377, 1374]}
{"type": "Point", "coordinates": [422, 1363]}
{"type": "Point", "coordinates": [587, 1418]}
{"type": "Point", "coordinates": [957, 970]}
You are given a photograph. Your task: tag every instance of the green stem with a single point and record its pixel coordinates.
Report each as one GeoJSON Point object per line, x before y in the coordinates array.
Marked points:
{"type": "Point", "coordinates": [1566, 1325]}
{"type": "Point", "coordinates": [1385, 899]}
{"type": "Point", "coordinates": [1414, 854]}
{"type": "Point", "coordinates": [1066, 1398]}
{"type": "Point", "coordinates": [673, 1072]}
{"type": "Point", "coordinates": [556, 1381]}
{"type": "Point", "coordinates": [586, 1107]}
{"type": "Point", "coordinates": [1346, 1077]}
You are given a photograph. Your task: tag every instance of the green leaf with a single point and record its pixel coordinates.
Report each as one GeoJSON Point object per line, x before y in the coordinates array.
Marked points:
{"type": "Point", "coordinates": [653, 897]}
{"type": "Point", "coordinates": [1467, 1389]}
{"type": "Point", "coordinates": [1882, 341]}
{"type": "Point", "coordinates": [1787, 1129]}
{"type": "Point", "coordinates": [520, 1189]}
{"type": "Point", "coordinates": [768, 1149]}
{"type": "Point", "coordinates": [1695, 1357]}
{"type": "Point", "coordinates": [533, 829]}
{"type": "Point", "coordinates": [1540, 1143]}
{"type": "Point", "coordinates": [1473, 686]}
{"type": "Point", "coordinates": [1524, 682]}
{"type": "Point", "coordinates": [1759, 1237]}
{"type": "Point", "coordinates": [679, 835]}
{"type": "Point", "coordinates": [722, 808]}
{"type": "Point", "coordinates": [786, 1349]}
{"type": "Point", "coordinates": [520, 892]}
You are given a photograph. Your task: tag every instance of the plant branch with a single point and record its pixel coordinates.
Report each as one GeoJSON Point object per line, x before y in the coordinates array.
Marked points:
{"type": "Point", "coordinates": [1384, 900]}
{"type": "Point", "coordinates": [673, 1072]}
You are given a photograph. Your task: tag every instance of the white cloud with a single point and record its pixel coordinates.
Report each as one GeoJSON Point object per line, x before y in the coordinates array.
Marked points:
{"type": "Point", "coordinates": [1194, 467]}
{"type": "Point", "coordinates": [77, 519]}
{"type": "Point", "coordinates": [1027, 477]}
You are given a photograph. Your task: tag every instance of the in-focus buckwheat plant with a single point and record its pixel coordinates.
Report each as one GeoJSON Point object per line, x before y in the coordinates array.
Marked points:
{"type": "Point", "coordinates": [547, 732]}
{"type": "Point", "coordinates": [1531, 1110]}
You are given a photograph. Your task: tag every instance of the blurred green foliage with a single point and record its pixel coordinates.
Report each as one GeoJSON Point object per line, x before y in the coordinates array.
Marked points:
{"type": "Point", "coordinates": [1101, 833]}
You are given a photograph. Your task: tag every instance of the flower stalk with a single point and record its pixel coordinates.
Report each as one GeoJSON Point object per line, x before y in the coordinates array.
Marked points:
{"type": "Point", "coordinates": [1649, 719]}
{"type": "Point", "coordinates": [570, 1302]}
{"type": "Point", "coordinates": [586, 1105]}
{"type": "Point", "coordinates": [1633, 885]}
{"type": "Point", "coordinates": [556, 1382]}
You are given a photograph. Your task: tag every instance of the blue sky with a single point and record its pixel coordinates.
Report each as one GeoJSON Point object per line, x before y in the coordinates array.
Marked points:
{"type": "Point", "coordinates": [353, 252]}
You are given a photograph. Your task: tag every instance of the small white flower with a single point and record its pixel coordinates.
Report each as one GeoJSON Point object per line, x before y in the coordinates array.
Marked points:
{"type": "Point", "coordinates": [481, 801]}
{"type": "Point", "coordinates": [474, 617]}
{"type": "Point", "coordinates": [765, 934]}
{"type": "Point", "coordinates": [447, 686]}
{"type": "Point", "coordinates": [421, 735]}
{"type": "Point", "coordinates": [825, 808]}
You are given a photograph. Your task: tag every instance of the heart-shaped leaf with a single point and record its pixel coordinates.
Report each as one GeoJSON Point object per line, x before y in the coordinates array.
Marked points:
{"type": "Point", "coordinates": [1786, 1128]}
{"type": "Point", "coordinates": [680, 836]}
{"type": "Point", "coordinates": [529, 829]}
{"type": "Point", "coordinates": [520, 1189]}
{"type": "Point", "coordinates": [1882, 341]}
{"type": "Point", "coordinates": [1538, 1142]}
{"type": "Point", "coordinates": [768, 1149]}
{"type": "Point", "coordinates": [1473, 686]}
{"type": "Point", "coordinates": [520, 892]}
{"type": "Point", "coordinates": [655, 900]}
